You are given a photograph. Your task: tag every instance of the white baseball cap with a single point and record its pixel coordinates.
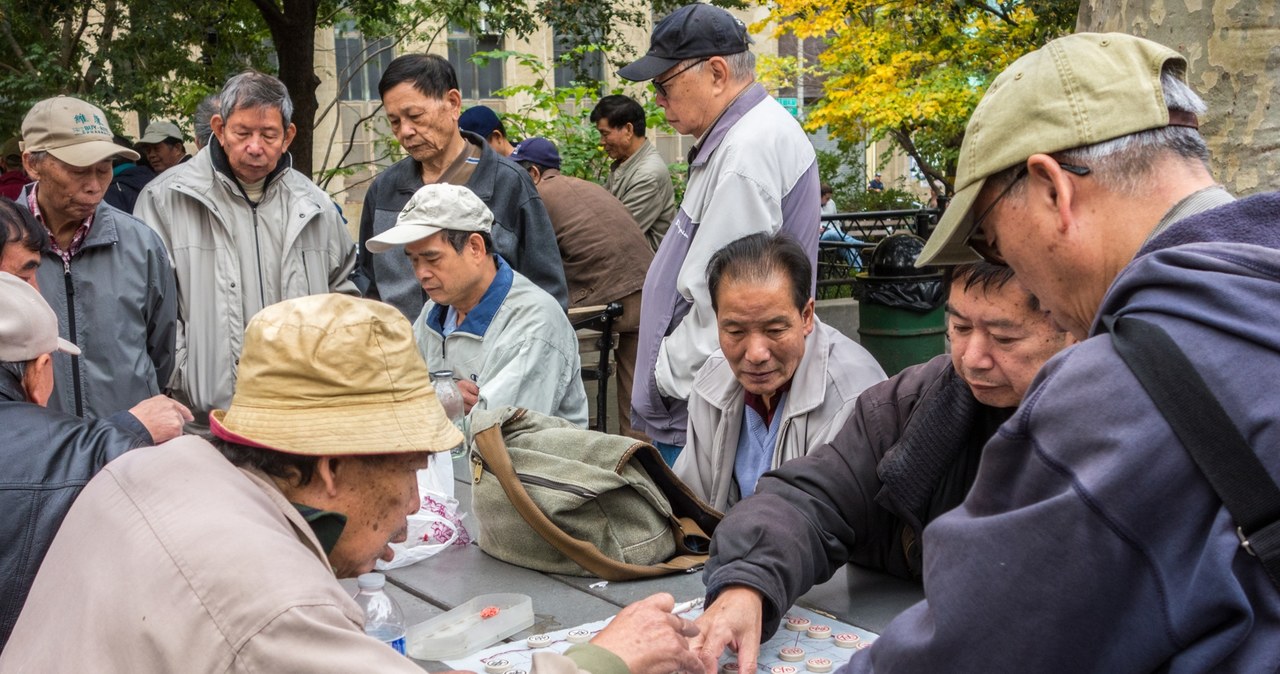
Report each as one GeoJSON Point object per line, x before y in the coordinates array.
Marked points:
{"type": "Point", "coordinates": [432, 209]}
{"type": "Point", "coordinates": [28, 327]}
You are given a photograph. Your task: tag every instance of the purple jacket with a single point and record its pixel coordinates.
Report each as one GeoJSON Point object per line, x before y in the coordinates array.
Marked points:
{"type": "Point", "coordinates": [755, 172]}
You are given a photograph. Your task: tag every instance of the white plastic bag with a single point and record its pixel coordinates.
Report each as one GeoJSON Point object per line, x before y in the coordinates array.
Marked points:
{"type": "Point", "coordinates": [437, 524]}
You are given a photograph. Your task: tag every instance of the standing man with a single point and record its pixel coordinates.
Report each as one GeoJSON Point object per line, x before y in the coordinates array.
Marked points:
{"type": "Point", "coordinates": [751, 170]}
{"type": "Point", "coordinates": [162, 146]}
{"type": "Point", "coordinates": [638, 176]}
{"type": "Point", "coordinates": [483, 121]}
{"type": "Point", "coordinates": [422, 102]}
{"type": "Point", "coordinates": [505, 339]}
{"type": "Point", "coordinates": [12, 177]}
{"type": "Point", "coordinates": [47, 456]}
{"type": "Point", "coordinates": [605, 256]}
{"type": "Point", "coordinates": [782, 383]}
{"type": "Point", "coordinates": [245, 231]}
{"type": "Point", "coordinates": [105, 273]}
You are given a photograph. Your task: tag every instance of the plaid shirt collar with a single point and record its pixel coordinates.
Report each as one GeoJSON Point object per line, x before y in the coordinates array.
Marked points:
{"type": "Point", "coordinates": [77, 240]}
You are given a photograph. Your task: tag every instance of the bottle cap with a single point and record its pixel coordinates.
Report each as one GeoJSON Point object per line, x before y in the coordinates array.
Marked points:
{"type": "Point", "coordinates": [371, 581]}
{"type": "Point", "coordinates": [442, 374]}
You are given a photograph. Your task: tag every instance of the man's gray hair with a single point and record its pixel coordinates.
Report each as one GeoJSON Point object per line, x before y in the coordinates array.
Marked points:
{"type": "Point", "coordinates": [252, 89]}
{"type": "Point", "coordinates": [742, 66]}
{"type": "Point", "coordinates": [207, 108]}
{"type": "Point", "coordinates": [1125, 164]}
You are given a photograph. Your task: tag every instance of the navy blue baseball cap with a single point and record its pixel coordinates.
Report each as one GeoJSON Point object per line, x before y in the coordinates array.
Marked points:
{"type": "Point", "coordinates": [540, 151]}
{"type": "Point", "coordinates": [693, 31]}
{"type": "Point", "coordinates": [480, 120]}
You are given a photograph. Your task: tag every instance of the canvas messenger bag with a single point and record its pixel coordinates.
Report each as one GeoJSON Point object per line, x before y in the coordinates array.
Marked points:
{"type": "Point", "coordinates": [560, 499]}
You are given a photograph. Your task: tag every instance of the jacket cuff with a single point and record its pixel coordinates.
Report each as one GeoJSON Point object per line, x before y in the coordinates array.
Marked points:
{"type": "Point", "coordinates": [130, 424]}
{"type": "Point", "coordinates": [597, 660]}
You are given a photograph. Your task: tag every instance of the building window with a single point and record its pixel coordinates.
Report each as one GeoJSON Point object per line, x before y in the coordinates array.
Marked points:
{"type": "Point", "coordinates": [590, 67]}
{"type": "Point", "coordinates": [360, 63]}
{"type": "Point", "coordinates": [475, 81]}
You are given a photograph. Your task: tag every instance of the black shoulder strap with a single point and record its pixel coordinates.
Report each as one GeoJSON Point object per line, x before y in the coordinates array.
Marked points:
{"type": "Point", "coordinates": [1209, 435]}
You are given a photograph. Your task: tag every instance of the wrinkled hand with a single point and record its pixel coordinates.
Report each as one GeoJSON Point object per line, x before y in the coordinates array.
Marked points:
{"type": "Point", "coordinates": [470, 394]}
{"type": "Point", "coordinates": [733, 621]}
{"type": "Point", "coordinates": [162, 416]}
{"type": "Point", "coordinates": [650, 639]}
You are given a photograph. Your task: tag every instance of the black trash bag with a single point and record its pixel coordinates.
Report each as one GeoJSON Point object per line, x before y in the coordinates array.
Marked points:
{"type": "Point", "coordinates": [918, 294]}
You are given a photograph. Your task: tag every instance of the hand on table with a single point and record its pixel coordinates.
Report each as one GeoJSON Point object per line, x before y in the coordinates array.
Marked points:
{"type": "Point", "coordinates": [650, 639]}
{"type": "Point", "coordinates": [163, 417]}
{"type": "Point", "coordinates": [470, 394]}
{"type": "Point", "coordinates": [733, 621]}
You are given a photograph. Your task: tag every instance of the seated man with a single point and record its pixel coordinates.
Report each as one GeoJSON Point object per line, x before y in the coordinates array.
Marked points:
{"type": "Point", "coordinates": [47, 455]}
{"type": "Point", "coordinates": [506, 340]}
{"type": "Point", "coordinates": [782, 383]}
{"type": "Point", "coordinates": [908, 454]}
{"type": "Point", "coordinates": [604, 252]}
{"type": "Point", "coordinates": [314, 474]}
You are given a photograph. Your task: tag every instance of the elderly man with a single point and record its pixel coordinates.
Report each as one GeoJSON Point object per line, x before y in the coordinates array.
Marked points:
{"type": "Point", "coordinates": [908, 452]}
{"type": "Point", "coordinates": [162, 145]}
{"type": "Point", "coordinates": [483, 121]}
{"type": "Point", "coordinates": [751, 170]}
{"type": "Point", "coordinates": [504, 338]}
{"type": "Point", "coordinates": [1083, 168]}
{"type": "Point", "coordinates": [605, 255]}
{"type": "Point", "coordinates": [104, 272]}
{"type": "Point", "coordinates": [24, 240]}
{"type": "Point", "coordinates": [245, 231]}
{"type": "Point", "coordinates": [782, 383]}
{"type": "Point", "coordinates": [194, 558]}
{"type": "Point", "coordinates": [47, 456]}
{"type": "Point", "coordinates": [638, 176]}
{"type": "Point", "coordinates": [421, 98]}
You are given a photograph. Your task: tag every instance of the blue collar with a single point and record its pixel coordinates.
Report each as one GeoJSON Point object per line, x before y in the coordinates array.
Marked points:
{"type": "Point", "coordinates": [478, 320]}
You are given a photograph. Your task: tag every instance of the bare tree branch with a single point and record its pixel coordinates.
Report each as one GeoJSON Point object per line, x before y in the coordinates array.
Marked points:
{"type": "Point", "coordinates": [937, 180]}
{"type": "Point", "coordinates": [17, 50]}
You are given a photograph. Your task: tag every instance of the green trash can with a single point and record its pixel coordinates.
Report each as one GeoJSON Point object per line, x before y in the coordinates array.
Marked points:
{"type": "Point", "coordinates": [901, 318]}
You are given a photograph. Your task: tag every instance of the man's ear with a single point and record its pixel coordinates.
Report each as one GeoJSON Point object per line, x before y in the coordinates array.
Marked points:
{"type": "Point", "coordinates": [1051, 187]}
{"type": "Point", "coordinates": [719, 73]}
{"type": "Point", "coordinates": [217, 125]}
{"type": "Point", "coordinates": [289, 133]}
{"type": "Point", "coordinates": [38, 371]}
{"type": "Point", "coordinates": [806, 317]}
{"type": "Point", "coordinates": [326, 473]}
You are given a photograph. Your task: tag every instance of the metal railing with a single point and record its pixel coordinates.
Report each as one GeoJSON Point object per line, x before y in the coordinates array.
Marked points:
{"type": "Point", "coordinates": [836, 267]}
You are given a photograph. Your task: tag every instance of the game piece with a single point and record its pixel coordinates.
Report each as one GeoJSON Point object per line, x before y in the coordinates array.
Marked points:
{"type": "Point", "coordinates": [538, 640]}
{"type": "Point", "coordinates": [578, 636]}
{"type": "Point", "coordinates": [863, 645]}
{"type": "Point", "coordinates": [819, 632]}
{"type": "Point", "coordinates": [791, 653]}
{"type": "Point", "coordinates": [797, 624]}
{"type": "Point", "coordinates": [730, 667]}
{"type": "Point", "coordinates": [782, 669]}
{"type": "Point", "coordinates": [847, 640]}
{"type": "Point", "coordinates": [498, 666]}
{"type": "Point", "coordinates": [818, 665]}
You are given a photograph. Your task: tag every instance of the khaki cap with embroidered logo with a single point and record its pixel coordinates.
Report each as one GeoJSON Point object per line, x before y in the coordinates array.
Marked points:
{"type": "Point", "coordinates": [158, 132]}
{"type": "Point", "coordinates": [71, 130]}
{"type": "Point", "coordinates": [431, 209]}
{"type": "Point", "coordinates": [1075, 91]}
{"type": "Point", "coordinates": [334, 375]}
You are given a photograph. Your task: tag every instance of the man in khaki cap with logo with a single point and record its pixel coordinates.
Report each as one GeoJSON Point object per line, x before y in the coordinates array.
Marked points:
{"type": "Point", "coordinates": [162, 145]}
{"type": "Point", "coordinates": [1091, 541]}
{"type": "Point", "coordinates": [506, 340]}
{"type": "Point", "coordinates": [105, 273]}
{"type": "Point", "coordinates": [47, 456]}
{"type": "Point", "coordinates": [195, 558]}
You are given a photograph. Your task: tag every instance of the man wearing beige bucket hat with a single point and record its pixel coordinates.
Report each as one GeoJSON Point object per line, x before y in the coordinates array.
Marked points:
{"type": "Point", "coordinates": [47, 456]}
{"type": "Point", "coordinates": [191, 558]}
{"type": "Point", "coordinates": [104, 272]}
{"type": "Point", "coordinates": [1091, 541]}
{"type": "Point", "coordinates": [505, 338]}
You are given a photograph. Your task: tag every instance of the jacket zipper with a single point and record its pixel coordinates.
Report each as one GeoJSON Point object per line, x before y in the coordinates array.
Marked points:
{"type": "Point", "coordinates": [71, 332]}
{"type": "Point", "coordinates": [257, 252]}
{"type": "Point", "coordinates": [537, 481]}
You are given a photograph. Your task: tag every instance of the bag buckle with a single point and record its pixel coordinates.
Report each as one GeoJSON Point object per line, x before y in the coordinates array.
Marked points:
{"type": "Point", "coordinates": [1244, 541]}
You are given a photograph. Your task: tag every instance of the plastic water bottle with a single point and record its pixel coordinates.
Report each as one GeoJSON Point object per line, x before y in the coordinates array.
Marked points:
{"type": "Point", "coordinates": [383, 619]}
{"type": "Point", "coordinates": [450, 398]}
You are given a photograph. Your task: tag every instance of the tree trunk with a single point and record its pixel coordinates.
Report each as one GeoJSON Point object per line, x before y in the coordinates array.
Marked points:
{"type": "Point", "coordinates": [293, 32]}
{"type": "Point", "coordinates": [1233, 55]}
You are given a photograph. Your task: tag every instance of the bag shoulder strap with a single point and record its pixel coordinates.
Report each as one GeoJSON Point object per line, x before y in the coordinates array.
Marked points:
{"type": "Point", "coordinates": [1207, 432]}
{"type": "Point", "coordinates": [493, 450]}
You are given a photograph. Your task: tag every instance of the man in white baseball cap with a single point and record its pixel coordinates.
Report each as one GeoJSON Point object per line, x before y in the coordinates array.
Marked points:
{"type": "Point", "coordinates": [104, 272]}
{"type": "Point", "coordinates": [508, 341]}
{"type": "Point", "coordinates": [46, 455]}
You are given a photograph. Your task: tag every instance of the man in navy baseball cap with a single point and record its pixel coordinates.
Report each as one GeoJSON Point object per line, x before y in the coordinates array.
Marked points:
{"type": "Point", "coordinates": [693, 31]}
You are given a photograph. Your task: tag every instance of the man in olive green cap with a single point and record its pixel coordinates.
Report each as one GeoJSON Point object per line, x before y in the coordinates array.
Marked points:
{"type": "Point", "coordinates": [1091, 541]}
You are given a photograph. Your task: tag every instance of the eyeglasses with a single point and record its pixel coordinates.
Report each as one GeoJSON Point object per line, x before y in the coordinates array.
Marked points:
{"type": "Point", "coordinates": [977, 239]}
{"type": "Point", "coordinates": [660, 86]}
